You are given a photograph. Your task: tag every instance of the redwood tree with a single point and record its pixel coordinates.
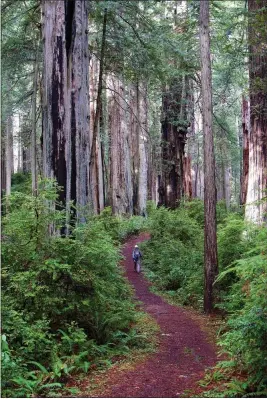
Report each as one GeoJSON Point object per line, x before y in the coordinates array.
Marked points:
{"type": "Point", "coordinates": [256, 209]}
{"type": "Point", "coordinates": [66, 100]}
{"type": "Point", "coordinates": [174, 130]}
{"type": "Point", "coordinates": [245, 142]}
{"type": "Point", "coordinates": [210, 246]}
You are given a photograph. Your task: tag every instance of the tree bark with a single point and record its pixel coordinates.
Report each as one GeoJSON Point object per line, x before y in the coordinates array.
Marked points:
{"type": "Point", "coordinates": [142, 140]}
{"type": "Point", "coordinates": [134, 131]}
{"type": "Point", "coordinates": [56, 126]}
{"type": "Point", "coordinates": [174, 129]}
{"type": "Point", "coordinates": [66, 101]}
{"type": "Point", "coordinates": [9, 153]}
{"type": "Point", "coordinates": [187, 183]}
{"type": "Point", "coordinates": [33, 132]}
{"type": "Point", "coordinates": [3, 168]}
{"type": "Point", "coordinates": [256, 201]}
{"type": "Point", "coordinates": [245, 143]}
{"type": "Point", "coordinates": [19, 146]}
{"type": "Point", "coordinates": [78, 84]}
{"type": "Point", "coordinates": [96, 172]}
{"type": "Point", "coordinates": [121, 194]}
{"type": "Point", "coordinates": [210, 248]}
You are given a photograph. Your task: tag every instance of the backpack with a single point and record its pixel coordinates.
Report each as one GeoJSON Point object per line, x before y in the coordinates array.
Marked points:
{"type": "Point", "coordinates": [136, 255]}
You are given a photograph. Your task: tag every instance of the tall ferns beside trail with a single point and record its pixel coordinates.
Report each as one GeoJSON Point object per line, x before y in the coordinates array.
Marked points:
{"type": "Point", "coordinates": [65, 301]}
{"type": "Point", "coordinates": [174, 263]}
{"type": "Point", "coordinates": [245, 336]}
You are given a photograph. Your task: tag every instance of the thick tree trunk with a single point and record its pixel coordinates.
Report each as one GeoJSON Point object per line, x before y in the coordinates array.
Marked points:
{"type": "Point", "coordinates": [33, 132]}
{"type": "Point", "coordinates": [56, 126]}
{"type": "Point", "coordinates": [78, 84]}
{"type": "Point", "coordinates": [66, 100]}
{"type": "Point", "coordinates": [120, 163]}
{"type": "Point", "coordinates": [211, 263]}
{"type": "Point", "coordinates": [96, 171]}
{"type": "Point", "coordinates": [9, 153]}
{"type": "Point", "coordinates": [245, 141]}
{"type": "Point", "coordinates": [256, 207]}
{"type": "Point", "coordinates": [174, 130]}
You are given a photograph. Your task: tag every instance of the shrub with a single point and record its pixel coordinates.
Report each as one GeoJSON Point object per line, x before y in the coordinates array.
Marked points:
{"type": "Point", "coordinates": [174, 255]}
{"type": "Point", "coordinates": [122, 227]}
{"type": "Point", "coordinates": [245, 337]}
{"type": "Point", "coordinates": [231, 244]}
{"type": "Point", "coordinates": [62, 297]}
{"type": "Point", "coordinates": [21, 182]}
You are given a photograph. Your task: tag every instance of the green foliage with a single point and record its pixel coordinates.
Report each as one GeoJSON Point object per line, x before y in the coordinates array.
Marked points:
{"type": "Point", "coordinates": [174, 255]}
{"type": "Point", "coordinates": [245, 337]}
{"type": "Point", "coordinates": [21, 182]}
{"type": "Point", "coordinates": [122, 227]}
{"type": "Point", "coordinates": [231, 244]}
{"type": "Point", "coordinates": [66, 304]}
{"type": "Point", "coordinates": [174, 263]}
{"type": "Point", "coordinates": [195, 210]}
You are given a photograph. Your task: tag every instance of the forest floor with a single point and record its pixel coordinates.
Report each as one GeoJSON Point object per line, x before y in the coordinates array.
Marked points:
{"type": "Point", "coordinates": [186, 349]}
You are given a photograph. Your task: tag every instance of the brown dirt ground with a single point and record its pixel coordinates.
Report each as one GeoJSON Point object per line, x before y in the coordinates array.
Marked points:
{"type": "Point", "coordinates": [185, 350]}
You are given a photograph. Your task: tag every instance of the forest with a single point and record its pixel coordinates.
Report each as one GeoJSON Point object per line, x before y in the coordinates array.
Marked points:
{"type": "Point", "coordinates": [130, 125]}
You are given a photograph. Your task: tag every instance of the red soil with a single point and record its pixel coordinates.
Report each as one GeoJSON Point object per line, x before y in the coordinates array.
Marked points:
{"type": "Point", "coordinates": [183, 354]}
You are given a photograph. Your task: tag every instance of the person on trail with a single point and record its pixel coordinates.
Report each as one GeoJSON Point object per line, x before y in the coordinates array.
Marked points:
{"type": "Point", "coordinates": [136, 255]}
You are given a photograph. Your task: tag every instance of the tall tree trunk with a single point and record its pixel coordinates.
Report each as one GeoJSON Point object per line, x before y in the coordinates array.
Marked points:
{"type": "Point", "coordinates": [66, 100]}
{"type": "Point", "coordinates": [174, 139]}
{"type": "Point", "coordinates": [78, 83]}
{"type": "Point", "coordinates": [12, 167]}
{"type": "Point", "coordinates": [134, 131]}
{"type": "Point", "coordinates": [256, 208]}
{"type": "Point", "coordinates": [9, 153]}
{"type": "Point", "coordinates": [104, 139]}
{"type": "Point", "coordinates": [33, 132]}
{"type": "Point", "coordinates": [96, 172]}
{"type": "Point", "coordinates": [56, 124]}
{"type": "Point", "coordinates": [120, 164]}
{"type": "Point", "coordinates": [245, 142]}
{"type": "Point", "coordinates": [210, 248]}
{"type": "Point", "coordinates": [19, 146]}
{"type": "Point", "coordinates": [142, 139]}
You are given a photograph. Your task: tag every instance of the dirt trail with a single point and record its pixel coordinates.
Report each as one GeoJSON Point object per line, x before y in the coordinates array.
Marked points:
{"type": "Point", "coordinates": [184, 352]}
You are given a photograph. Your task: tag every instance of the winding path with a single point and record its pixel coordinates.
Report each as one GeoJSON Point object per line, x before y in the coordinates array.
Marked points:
{"type": "Point", "coordinates": [184, 352]}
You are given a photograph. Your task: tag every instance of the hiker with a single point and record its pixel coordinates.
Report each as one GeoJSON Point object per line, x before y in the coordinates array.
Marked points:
{"type": "Point", "coordinates": [136, 255]}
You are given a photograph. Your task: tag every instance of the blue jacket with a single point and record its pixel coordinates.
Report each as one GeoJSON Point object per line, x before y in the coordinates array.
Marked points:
{"type": "Point", "coordinates": [136, 254]}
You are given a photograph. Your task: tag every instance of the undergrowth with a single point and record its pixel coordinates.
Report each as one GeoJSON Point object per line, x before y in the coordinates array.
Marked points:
{"type": "Point", "coordinates": [173, 260]}
{"type": "Point", "coordinates": [174, 255]}
{"type": "Point", "coordinates": [66, 306]}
